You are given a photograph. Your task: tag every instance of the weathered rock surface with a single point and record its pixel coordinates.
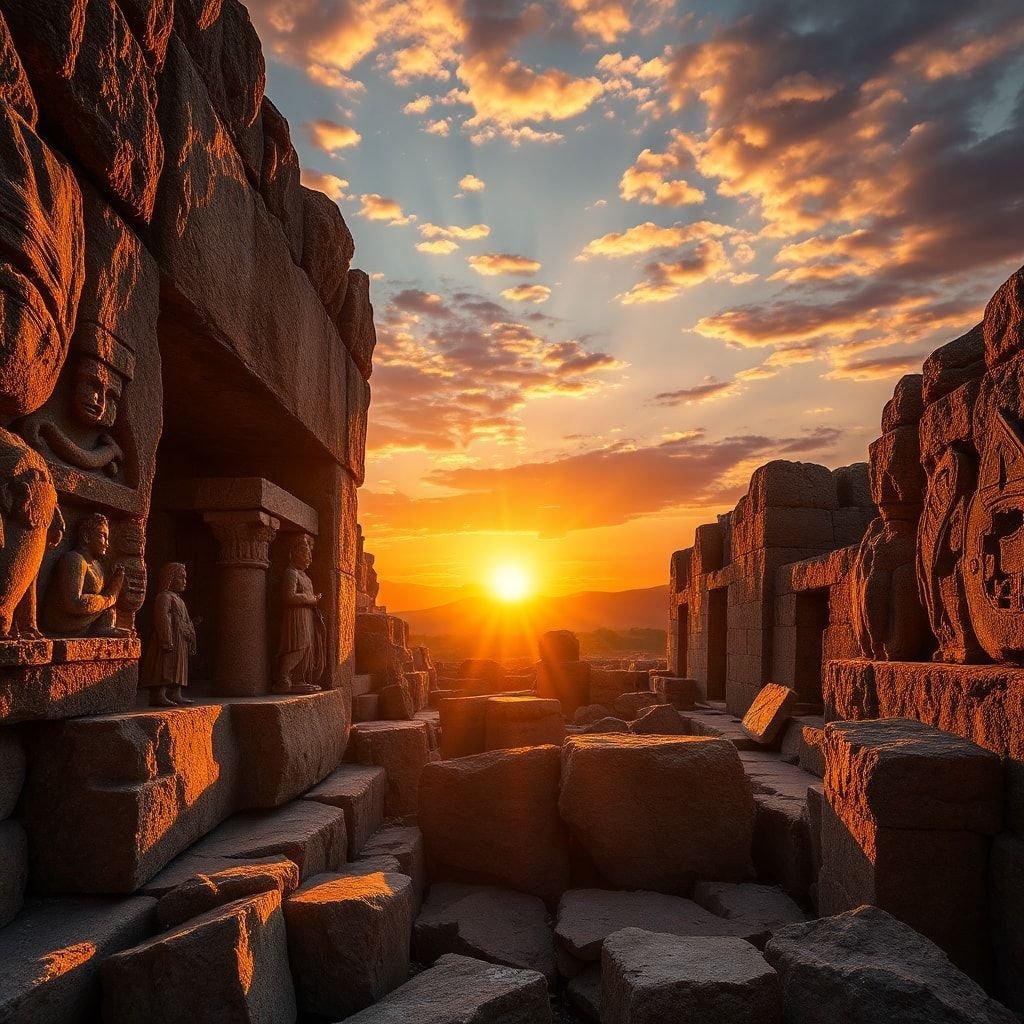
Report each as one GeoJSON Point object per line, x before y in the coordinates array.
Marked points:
{"type": "Point", "coordinates": [609, 724]}
{"type": "Point", "coordinates": [327, 249]}
{"type": "Point", "coordinates": [653, 978]}
{"type": "Point", "coordinates": [584, 992]}
{"type": "Point", "coordinates": [348, 940]}
{"type": "Point", "coordinates": [13, 869]}
{"type": "Point", "coordinates": [497, 925]}
{"type": "Point", "coordinates": [655, 812]}
{"type": "Point", "coordinates": [493, 818]}
{"type": "Point", "coordinates": [678, 691]}
{"type": "Point", "coordinates": [661, 720]}
{"type": "Point", "coordinates": [405, 844]}
{"type": "Point", "coordinates": [355, 322]}
{"type": "Point", "coordinates": [866, 967]}
{"type": "Point", "coordinates": [522, 722]}
{"type": "Point", "coordinates": [359, 790]}
{"type": "Point", "coordinates": [459, 990]}
{"type": "Point", "coordinates": [629, 705]}
{"type": "Point", "coordinates": [767, 716]}
{"type": "Point", "coordinates": [12, 770]}
{"type": "Point", "coordinates": [589, 714]}
{"type": "Point", "coordinates": [402, 749]}
{"type": "Point", "coordinates": [202, 893]}
{"type": "Point", "coordinates": [229, 964]}
{"type": "Point", "coordinates": [762, 909]}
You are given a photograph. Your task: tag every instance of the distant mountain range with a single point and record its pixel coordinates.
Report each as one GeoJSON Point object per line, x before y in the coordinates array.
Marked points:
{"type": "Point", "coordinates": [472, 611]}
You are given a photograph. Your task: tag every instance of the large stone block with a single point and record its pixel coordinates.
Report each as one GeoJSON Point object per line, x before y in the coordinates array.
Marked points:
{"type": "Point", "coordinates": [1006, 895]}
{"type": "Point", "coordinates": [954, 364]}
{"type": "Point", "coordinates": [897, 476]}
{"type": "Point", "coordinates": [402, 749]}
{"type": "Point", "coordinates": [607, 684]}
{"type": "Point", "coordinates": [522, 722]}
{"type": "Point", "coordinates": [348, 940]}
{"type": "Point", "coordinates": [761, 908]}
{"type": "Point", "coordinates": [770, 711]}
{"type": "Point", "coordinates": [866, 966]}
{"type": "Point", "coordinates": [652, 978]}
{"type": "Point", "coordinates": [50, 956]}
{"type": "Point", "coordinates": [567, 681]}
{"type": "Point", "coordinates": [655, 812]}
{"type": "Point", "coordinates": [359, 790]}
{"type": "Point", "coordinates": [559, 646]}
{"type": "Point", "coordinates": [327, 249]}
{"type": "Point", "coordinates": [1003, 324]}
{"type": "Point", "coordinates": [404, 845]}
{"type": "Point", "coordinates": [355, 322]}
{"type": "Point", "coordinates": [493, 818]}
{"type": "Point", "coordinates": [459, 990]}
{"type": "Point", "coordinates": [229, 964]}
{"type": "Point", "coordinates": [96, 90]}
{"type": "Point", "coordinates": [782, 484]}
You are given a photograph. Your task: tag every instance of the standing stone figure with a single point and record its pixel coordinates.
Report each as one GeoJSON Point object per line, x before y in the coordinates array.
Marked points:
{"type": "Point", "coordinates": [302, 654]}
{"type": "Point", "coordinates": [80, 600]}
{"type": "Point", "coordinates": [172, 641]}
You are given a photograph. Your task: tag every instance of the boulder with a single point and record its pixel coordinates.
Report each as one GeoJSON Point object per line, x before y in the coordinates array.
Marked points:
{"type": "Point", "coordinates": [348, 940]}
{"type": "Point", "coordinates": [609, 724]}
{"type": "Point", "coordinates": [586, 917]}
{"type": "Point", "coordinates": [652, 978]}
{"type": "Point", "coordinates": [493, 818]}
{"type": "Point", "coordinates": [459, 990]}
{"type": "Point", "coordinates": [558, 646]}
{"type": "Point", "coordinates": [229, 964]}
{"type": "Point", "coordinates": [866, 967]}
{"type": "Point", "coordinates": [655, 812]}
{"type": "Point", "coordinates": [355, 322]}
{"type": "Point", "coordinates": [629, 705]}
{"type": "Point", "coordinates": [589, 714]}
{"type": "Point", "coordinates": [769, 712]}
{"type": "Point", "coordinates": [359, 790]}
{"type": "Point", "coordinates": [662, 719]}
{"type": "Point", "coordinates": [202, 893]}
{"type": "Point", "coordinates": [523, 722]}
{"type": "Point", "coordinates": [327, 249]}
{"type": "Point", "coordinates": [279, 177]}
{"type": "Point", "coordinates": [497, 925]}
{"type": "Point", "coordinates": [762, 909]}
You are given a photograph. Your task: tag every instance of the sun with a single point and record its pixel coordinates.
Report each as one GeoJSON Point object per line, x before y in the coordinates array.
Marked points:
{"type": "Point", "coordinates": [510, 583]}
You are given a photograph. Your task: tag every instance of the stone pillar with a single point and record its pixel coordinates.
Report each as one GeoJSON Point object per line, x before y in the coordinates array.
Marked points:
{"type": "Point", "coordinates": [241, 667]}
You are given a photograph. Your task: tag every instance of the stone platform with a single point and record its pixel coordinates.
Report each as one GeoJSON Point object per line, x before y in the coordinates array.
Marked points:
{"type": "Point", "coordinates": [110, 800]}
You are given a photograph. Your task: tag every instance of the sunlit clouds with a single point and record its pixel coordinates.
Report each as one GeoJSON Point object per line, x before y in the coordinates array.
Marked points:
{"type": "Point", "coordinates": [497, 264]}
{"type": "Point", "coordinates": [331, 137]}
{"type": "Point", "coordinates": [527, 293]}
{"type": "Point", "coordinates": [330, 184]}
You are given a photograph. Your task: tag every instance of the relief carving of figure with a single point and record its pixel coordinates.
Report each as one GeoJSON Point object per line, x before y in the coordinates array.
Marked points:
{"type": "Point", "coordinates": [82, 438]}
{"type": "Point", "coordinates": [171, 642]}
{"type": "Point", "coordinates": [81, 598]}
{"type": "Point", "coordinates": [302, 654]}
{"type": "Point", "coordinates": [129, 545]}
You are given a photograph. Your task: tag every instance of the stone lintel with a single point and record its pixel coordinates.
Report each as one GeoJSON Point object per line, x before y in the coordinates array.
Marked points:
{"type": "Point", "coordinates": [241, 494]}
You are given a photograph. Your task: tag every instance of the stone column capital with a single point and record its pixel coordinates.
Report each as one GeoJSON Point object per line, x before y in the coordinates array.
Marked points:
{"type": "Point", "coordinates": [244, 537]}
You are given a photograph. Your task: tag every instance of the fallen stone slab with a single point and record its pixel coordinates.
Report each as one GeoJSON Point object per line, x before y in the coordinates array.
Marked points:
{"type": "Point", "coordinates": [610, 724]}
{"type": "Point", "coordinates": [653, 978]}
{"type": "Point", "coordinates": [13, 869]}
{"type": "Point", "coordinates": [586, 917]}
{"type": "Point", "coordinates": [493, 819]}
{"type": "Point", "coordinates": [405, 844]}
{"type": "Point", "coordinates": [867, 967]}
{"type": "Point", "coordinates": [50, 955]}
{"type": "Point", "coordinates": [348, 940]}
{"type": "Point", "coordinates": [767, 715]}
{"type": "Point", "coordinates": [629, 705]}
{"type": "Point", "coordinates": [662, 719]}
{"type": "Point", "coordinates": [762, 909]}
{"type": "Point", "coordinates": [311, 835]}
{"type": "Point", "coordinates": [656, 812]}
{"type": "Point", "coordinates": [459, 990]}
{"type": "Point", "coordinates": [590, 713]}
{"type": "Point", "coordinates": [497, 925]}
{"type": "Point", "coordinates": [522, 722]}
{"type": "Point", "coordinates": [202, 893]}
{"type": "Point", "coordinates": [793, 736]}
{"type": "Point", "coordinates": [359, 790]}
{"type": "Point", "coordinates": [401, 749]}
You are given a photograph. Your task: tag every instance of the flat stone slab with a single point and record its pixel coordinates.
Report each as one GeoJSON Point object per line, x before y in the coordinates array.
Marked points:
{"type": "Point", "coordinates": [497, 925]}
{"type": "Point", "coordinates": [405, 844]}
{"type": "Point", "coordinates": [868, 967]}
{"type": "Point", "coordinates": [586, 917]}
{"type": "Point", "coordinates": [522, 722]}
{"type": "Point", "coordinates": [653, 978]}
{"type": "Point", "coordinates": [763, 909]}
{"type": "Point", "coordinates": [459, 990]}
{"type": "Point", "coordinates": [50, 956]}
{"type": "Point", "coordinates": [769, 712]}
{"type": "Point", "coordinates": [359, 790]}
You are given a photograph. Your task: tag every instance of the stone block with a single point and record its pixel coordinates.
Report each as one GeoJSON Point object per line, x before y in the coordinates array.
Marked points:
{"type": "Point", "coordinates": [781, 484]}
{"type": "Point", "coordinates": [629, 705]}
{"type": "Point", "coordinates": [13, 869]}
{"type": "Point", "coordinates": [229, 964]}
{"type": "Point", "coordinates": [897, 476]}
{"type": "Point", "coordinates": [762, 909]}
{"type": "Point", "coordinates": [359, 790]}
{"type": "Point", "coordinates": [662, 719]}
{"type": "Point", "coordinates": [953, 365]}
{"type": "Point", "coordinates": [1006, 895]}
{"type": "Point", "coordinates": [558, 646]}
{"type": "Point", "coordinates": [868, 967]}
{"type": "Point", "coordinates": [493, 818]}
{"type": "Point", "coordinates": [607, 684]}
{"type": "Point", "coordinates": [902, 774]}
{"type": "Point", "coordinates": [811, 756]}
{"type": "Point", "coordinates": [497, 925]}
{"type": "Point", "coordinates": [463, 725]}
{"type": "Point", "coordinates": [355, 322]}
{"type": "Point", "coordinates": [584, 993]}
{"type": "Point", "coordinates": [459, 990]}
{"type": "Point", "coordinates": [365, 708]}
{"type": "Point", "coordinates": [655, 812]}
{"type": "Point", "coordinates": [652, 978]}
{"type": "Point", "coordinates": [402, 749]}
{"type": "Point", "coordinates": [327, 249]}
{"type": "Point", "coordinates": [12, 770]}
{"type": "Point", "coordinates": [568, 682]}
{"type": "Point", "coordinates": [771, 709]}
{"type": "Point", "coordinates": [589, 714]}
{"type": "Point", "coordinates": [522, 722]}
{"type": "Point", "coordinates": [348, 940]}
{"type": "Point", "coordinates": [679, 692]}
{"type": "Point", "coordinates": [405, 844]}
{"type": "Point", "coordinates": [202, 893]}
{"type": "Point", "coordinates": [50, 956]}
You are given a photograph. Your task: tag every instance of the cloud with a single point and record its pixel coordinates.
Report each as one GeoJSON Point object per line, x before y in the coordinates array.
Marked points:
{"type": "Point", "coordinates": [471, 183]}
{"type": "Point", "coordinates": [882, 368]}
{"type": "Point", "coordinates": [330, 137]}
{"type": "Point", "coordinates": [330, 184]}
{"type": "Point", "coordinates": [377, 207]}
{"type": "Point", "coordinates": [665, 280]}
{"type": "Point", "coordinates": [648, 237]}
{"type": "Point", "coordinates": [442, 247]}
{"type": "Point", "coordinates": [420, 105]}
{"type": "Point", "coordinates": [606, 19]}
{"type": "Point", "coordinates": [494, 264]}
{"type": "Point", "coordinates": [527, 293]}
{"type": "Point", "coordinates": [471, 234]}
{"type": "Point", "coordinates": [649, 180]}
{"type": "Point", "coordinates": [710, 390]}
{"type": "Point", "coordinates": [442, 126]}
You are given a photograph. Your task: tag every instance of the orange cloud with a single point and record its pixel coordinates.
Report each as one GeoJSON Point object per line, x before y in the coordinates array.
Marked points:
{"type": "Point", "coordinates": [527, 293]}
{"type": "Point", "coordinates": [420, 105]}
{"type": "Point", "coordinates": [648, 237]}
{"type": "Point", "coordinates": [330, 184]}
{"type": "Point", "coordinates": [442, 126]}
{"type": "Point", "coordinates": [471, 234]}
{"type": "Point", "coordinates": [494, 264]}
{"type": "Point", "coordinates": [377, 207]}
{"type": "Point", "coordinates": [442, 247]}
{"type": "Point", "coordinates": [606, 19]}
{"type": "Point", "coordinates": [330, 137]}
{"type": "Point", "coordinates": [649, 180]}
{"type": "Point", "coordinates": [471, 183]}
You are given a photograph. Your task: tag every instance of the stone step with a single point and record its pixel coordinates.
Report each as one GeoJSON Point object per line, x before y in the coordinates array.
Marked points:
{"type": "Point", "coordinates": [362, 683]}
{"type": "Point", "coordinates": [365, 707]}
{"type": "Point", "coordinates": [359, 790]}
{"type": "Point", "coordinates": [50, 956]}
{"type": "Point", "coordinates": [402, 749]}
{"type": "Point", "coordinates": [405, 844]}
{"type": "Point", "coordinates": [712, 722]}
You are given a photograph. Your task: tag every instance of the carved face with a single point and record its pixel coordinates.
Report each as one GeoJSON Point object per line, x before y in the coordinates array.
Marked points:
{"type": "Point", "coordinates": [96, 393]}
{"type": "Point", "coordinates": [302, 552]}
{"type": "Point", "coordinates": [96, 539]}
{"type": "Point", "coordinates": [179, 580]}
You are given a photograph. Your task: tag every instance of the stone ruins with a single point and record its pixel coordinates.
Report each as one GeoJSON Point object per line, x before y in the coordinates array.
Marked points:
{"type": "Point", "coordinates": [231, 789]}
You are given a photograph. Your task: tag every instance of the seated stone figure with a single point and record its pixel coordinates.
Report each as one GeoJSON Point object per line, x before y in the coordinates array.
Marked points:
{"type": "Point", "coordinates": [80, 600]}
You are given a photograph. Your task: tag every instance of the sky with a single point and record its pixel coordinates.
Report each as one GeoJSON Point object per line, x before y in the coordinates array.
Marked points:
{"type": "Point", "coordinates": [623, 253]}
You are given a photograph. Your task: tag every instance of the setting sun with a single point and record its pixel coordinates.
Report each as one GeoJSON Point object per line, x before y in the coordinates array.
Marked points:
{"type": "Point", "coordinates": [510, 583]}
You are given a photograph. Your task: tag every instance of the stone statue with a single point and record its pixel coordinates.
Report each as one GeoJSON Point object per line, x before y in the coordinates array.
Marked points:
{"type": "Point", "coordinates": [30, 522]}
{"type": "Point", "coordinates": [301, 657]}
{"type": "Point", "coordinates": [172, 641]}
{"type": "Point", "coordinates": [80, 600]}
{"type": "Point", "coordinates": [81, 437]}
{"type": "Point", "coordinates": [129, 543]}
